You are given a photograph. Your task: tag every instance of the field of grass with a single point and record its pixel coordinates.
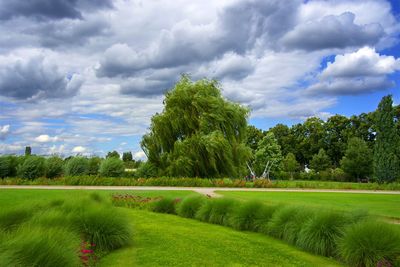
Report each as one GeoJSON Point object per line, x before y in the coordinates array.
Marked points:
{"type": "Point", "coordinates": [376, 204]}
{"type": "Point", "coordinates": [168, 240]}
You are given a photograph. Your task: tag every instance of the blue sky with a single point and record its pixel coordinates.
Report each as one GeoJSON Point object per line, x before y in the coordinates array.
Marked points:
{"type": "Point", "coordinates": [81, 76]}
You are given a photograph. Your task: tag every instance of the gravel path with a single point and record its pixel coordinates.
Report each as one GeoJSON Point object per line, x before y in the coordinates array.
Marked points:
{"type": "Point", "coordinates": [202, 190]}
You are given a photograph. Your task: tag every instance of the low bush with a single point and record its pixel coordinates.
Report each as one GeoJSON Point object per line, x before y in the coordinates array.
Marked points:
{"type": "Point", "coordinates": [112, 167]}
{"type": "Point", "coordinates": [165, 205]}
{"type": "Point", "coordinates": [221, 209]}
{"type": "Point", "coordinates": [244, 216]}
{"type": "Point", "coordinates": [370, 244]}
{"type": "Point", "coordinates": [32, 167]}
{"type": "Point", "coordinates": [37, 246]}
{"type": "Point", "coordinates": [189, 206]}
{"type": "Point", "coordinates": [320, 234]}
{"type": "Point", "coordinates": [77, 166]}
{"type": "Point", "coordinates": [94, 165]}
{"type": "Point", "coordinates": [54, 167]}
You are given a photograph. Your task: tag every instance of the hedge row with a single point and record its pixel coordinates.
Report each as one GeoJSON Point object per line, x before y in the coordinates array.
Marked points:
{"type": "Point", "coordinates": [355, 239]}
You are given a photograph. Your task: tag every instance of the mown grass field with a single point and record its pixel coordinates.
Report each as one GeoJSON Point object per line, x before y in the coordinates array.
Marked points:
{"type": "Point", "coordinates": [168, 240]}
{"type": "Point", "coordinates": [376, 204]}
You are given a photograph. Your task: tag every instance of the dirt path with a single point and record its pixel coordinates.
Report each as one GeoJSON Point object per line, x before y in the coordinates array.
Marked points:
{"type": "Point", "coordinates": [202, 190]}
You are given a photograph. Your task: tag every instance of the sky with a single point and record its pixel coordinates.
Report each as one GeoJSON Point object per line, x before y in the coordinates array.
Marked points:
{"type": "Point", "coordinates": [85, 76]}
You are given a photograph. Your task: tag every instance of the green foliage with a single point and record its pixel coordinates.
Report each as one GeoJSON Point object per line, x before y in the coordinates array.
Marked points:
{"type": "Point", "coordinates": [268, 151]}
{"type": "Point", "coordinates": [94, 165]}
{"type": "Point", "coordinates": [244, 216]}
{"type": "Point", "coordinates": [104, 226]}
{"type": "Point", "coordinates": [8, 166]}
{"type": "Point", "coordinates": [12, 217]}
{"type": "Point", "coordinates": [320, 234]}
{"type": "Point", "coordinates": [165, 205]}
{"type": "Point", "coordinates": [37, 246]}
{"type": "Point", "coordinates": [386, 149]}
{"type": "Point", "coordinates": [112, 167]}
{"type": "Point", "coordinates": [54, 167]}
{"type": "Point", "coordinates": [113, 154]}
{"type": "Point", "coordinates": [283, 216]}
{"type": "Point", "coordinates": [198, 134]}
{"type": "Point", "coordinates": [290, 164]}
{"type": "Point", "coordinates": [221, 209]}
{"type": "Point", "coordinates": [357, 160]}
{"type": "Point", "coordinates": [32, 167]}
{"type": "Point", "coordinates": [263, 217]}
{"type": "Point", "coordinates": [28, 151]}
{"type": "Point", "coordinates": [146, 170]}
{"type": "Point", "coordinates": [253, 137]}
{"type": "Point", "coordinates": [189, 206]}
{"type": "Point", "coordinates": [320, 161]}
{"type": "Point", "coordinates": [127, 156]}
{"type": "Point", "coordinates": [370, 244]}
{"type": "Point", "coordinates": [77, 166]}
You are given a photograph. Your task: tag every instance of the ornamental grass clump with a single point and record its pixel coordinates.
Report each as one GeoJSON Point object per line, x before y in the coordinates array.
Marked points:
{"type": "Point", "coordinates": [221, 209]}
{"type": "Point", "coordinates": [189, 206]}
{"type": "Point", "coordinates": [244, 216]}
{"type": "Point", "coordinates": [11, 218]}
{"type": "Point", "coordinates": [293, 227]}
{"type": "Point", "coordinates": [263, 217]}
{"type": "Point", "coordinates": [38, 246]}
{"type": "Point", "coordinates": [320, 233]}
{"type": "Point", "coordinates": [104, 226]}
{"type": "Point", "coordinates": [369, 244]}
{"type": "Point", "coordinates": [165, 205]}
{"type": "Point", "coordinates": [280, 219]}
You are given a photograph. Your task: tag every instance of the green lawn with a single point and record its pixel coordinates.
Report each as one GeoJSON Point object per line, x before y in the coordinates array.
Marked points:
{"type": "Point", "coordinates": [381, 205]}
{"type": "Point", "coordinates": [19, 196]}
{"type": "Point", "coordinates": [169, 240]}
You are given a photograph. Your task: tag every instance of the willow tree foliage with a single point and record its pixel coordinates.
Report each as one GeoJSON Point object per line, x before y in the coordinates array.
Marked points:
{"type": "Point", "coordinates": [386, 157]}
{"type": "Point", "coordinates": [199, 133]}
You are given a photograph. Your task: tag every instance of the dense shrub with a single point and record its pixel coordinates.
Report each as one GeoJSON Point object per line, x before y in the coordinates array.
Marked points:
{"type": "Point", "coordinates": [370, 244]}
{"type": "Point", "coordinates": [8, 166]}
{"type": "Point", "coordinates": [112, 167]}
{"type": "Point", "coordinates": [54, 167]}
{"type": "Point", "coordinates": [32, 167]}
{"type": "Point", "coordinates": [189, 206]}
{"type": "Point", "coordinates": [94, 165]}
{"type": "Point", "coordinates": [244, 216]}
{"type": "Point", "coordinates": [320, 234]}
{"type": "Point", "coordinates": [77, 166]}
{"type": "Point", "coordinates": [36, 246]}
{"type": "Point", "coordinates": [146, 170]}
{"type": "Point", "coordinates": [165, 205]}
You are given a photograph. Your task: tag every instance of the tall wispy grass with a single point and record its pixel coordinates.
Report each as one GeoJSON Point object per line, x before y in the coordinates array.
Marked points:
{"type": "Point", "coordinates": [221, 209]}
{"type": "Point", "coordinates": [165, 205]}
{"type": "Point", "coordinates": [37, 246]}
{"type": "Point", "coordinates": [190, 205]}
{"type": "Point", "coordinates": [244, 216]}
{"type": "Point", "coordinates": [370, 243]}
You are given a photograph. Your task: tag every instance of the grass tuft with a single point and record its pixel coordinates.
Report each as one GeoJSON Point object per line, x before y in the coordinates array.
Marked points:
{"type": "Point", "coordinates": [293, 227]}
{"type": "Point", "coordinates": [276, 227]}
{"type": "Point", "coordinates": [320, 234]}
{"type": "Point", "coordinates": [221, 209]}
{"type": "Point", "coordinates": [190, 205]}
{"type": "Point", "coordinates": [370, 244]}
{"type": "Point", "coordinates": [245, 216]}
{"type": "Point", "coordinates": [165, 205]}
{"type": "Point", "coordinates": [36, 246]}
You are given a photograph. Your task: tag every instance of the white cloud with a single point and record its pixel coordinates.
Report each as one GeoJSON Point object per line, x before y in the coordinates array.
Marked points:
{"type": "Point", "coordinates": [79, 149]}
{"type": "Point", "coordinates": [4, 131]}
{"type": "Point", "coordinates": [140, 155]}
{"type": "Point", "coordinates": [44, 138]}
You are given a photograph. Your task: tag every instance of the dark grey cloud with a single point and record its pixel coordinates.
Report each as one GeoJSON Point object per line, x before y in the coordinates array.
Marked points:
{"type": "Point", "coordinates": [237, 29]}
{"type": "Point", "coordinates": [332, 32]}
{"type": "Point", "coordinates": [234, 67]}
{"type": "Point", "coordinates": [353, 86]}
{"type": "Point", "coordinates": [36, 79]}
{"type": "Point", "coordinates": [142, 87]}
{"type": "Point", "coordinates": [50, 9]}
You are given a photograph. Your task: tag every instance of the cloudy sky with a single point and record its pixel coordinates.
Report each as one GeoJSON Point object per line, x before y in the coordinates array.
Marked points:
{"type": "Point", "coordinates": [85, 76]}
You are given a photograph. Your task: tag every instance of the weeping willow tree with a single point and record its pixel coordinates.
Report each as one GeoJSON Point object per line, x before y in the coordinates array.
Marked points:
{"type": "Point", "coordinates": [198, 134]}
